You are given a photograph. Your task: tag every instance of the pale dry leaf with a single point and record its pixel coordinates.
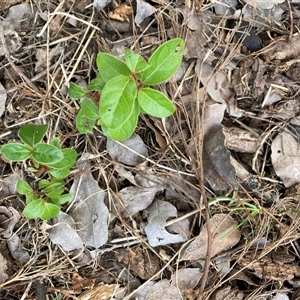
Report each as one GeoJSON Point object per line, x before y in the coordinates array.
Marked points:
{"type": "Point", "coordinates": [218, 87]}
{"type": "Point", "coordinates": [227, 7]}
{"type": "Point", "coordinates": [143, 10]}
{"type": "Point", "coordinates": [19, 17]}
{"type": "Point", "coordinates": [181, 227]}
{"type": "Point", "coordinates": [3, 268]}
{"type": "Point", "coordinates": [141, 293]}
{"type": "Point", "coordinates": [136, 198]}
{"type": "Point", "coordinates": [100, 4]}
{"type": "Point", "coordinates": [185, 279]}
{"type": "Point", "coordinates": [8, 185]}
{"type": "Point", "coordinates": [213, 115]}
{"type": "Point", "coordinates": [8, 219]}
{"type": "Point", "coordinates": [3, 97]}
{"type": "Point", "coordinates": [163, 290]}
{"type": "Point", "coordinates": [64, 233]}
{"type": "Point", "coordinates": [87, 207]}
{"type": "Point", "coordinates": [221, 225]}
{"type": "Point", "coordinates": [123, 154]}
{"type": "Point", "coordinates": [17, 251]}
{"type": "Point", "coordinates": [286, 158]}
{"type": "Point", "coordinates": [263, 4]}
{"type": "Point", "coordinates": [157, 214]}
{"type": "Point", "coordinates": [218, 170]}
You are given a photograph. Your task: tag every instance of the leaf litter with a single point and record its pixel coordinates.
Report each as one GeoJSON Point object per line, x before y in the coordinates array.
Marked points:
{"type": "Point", "coordinates": [138, 224]}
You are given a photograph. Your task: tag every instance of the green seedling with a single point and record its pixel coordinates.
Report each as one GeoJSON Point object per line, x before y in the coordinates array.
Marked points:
{"type": "Point", "coordinates": [46, 199]}
{"type": "Point", "coordinates": [125, 90]}
{"type": "Point", "coordinates": [251, 210]}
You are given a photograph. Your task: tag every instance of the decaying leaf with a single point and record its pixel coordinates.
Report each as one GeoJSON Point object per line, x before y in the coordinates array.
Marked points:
{"type": "Point", "coordinates": [143, 10]}
{"type": "Point", "coordinates": [8, 185]}
{"type": "Point", "coordinates": [217, 167]}
{"type": "Point", "coordinates": [87, 207]}
{"type": "Point", "coordinates": [136, 198]}
{"type": "Point", "coordinates": [263, 4]}
{"type": "Point", "coordinates": [19, 17]}
{"type": "Point", "coordinates": [100, 4]}
{"type": "Point", "coordinates": [100, 291]}
{"type": "Point", "coordinates": [17, 251]}
{"type": "Point", "coordinates": [64, 233]}
{"type": "Point", "coordinates": [123, 154]}
{"type": "Point", "coordinates": [286, 158]}
{"type": "Point", "coordinates": [221, 225]}
{"type": "Point", "coordinates": [182, 280]}
{"type": "Point", "coordinates": [3, 268]}
{"type": "Point", "coordinates": [156, 215]}
{"type": "Point", "coordinates": [8, 219]}
{"type": "Point", "coordinates": [120, 12]}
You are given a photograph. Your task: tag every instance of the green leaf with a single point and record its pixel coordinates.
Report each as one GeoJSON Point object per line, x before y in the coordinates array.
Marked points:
{"type": "Point", "coordinates": [16, 151]}
{"type": "Point", "coordinates": [155, 103]}
{"type": "Point", "coordinates": [61, 199]}
{"type": "Point", "coordinates": [96, 84]}
{"type": "Point", "coordinates": [135, 62]}
{"type": "Point", "coordinates": [31, 197]}
{"type": "Point", "coordinates": [55, 193]}
{"type": "Point", "coordinates": [124, 131]}
{"type": "Point", "coordinates": [110, 66]}
{"type": "Point", "coordinates": [83, 124]}
{"type": "Point", "coordinates": [60, 173]}
{"type": "Point", "coordinates": [32, 134]}
{"type": "Point", "coordinates": [53, 187]}
{"type": "Point", "coordinates": [89, 109]}
{"type": "Point", "coordinates": [34, 209]}
{"type": "Point", "coordinates": [75, 91]}
{"type": "Point", "coordinates": [43, 183]}
{"type": "Point", "coordinates": [117, 101]}
{"type": "Point", "coordinates": [51, 211]}
{"type": "Point", "coordinates": [165, 61]}
{"type": "Point", "coordinates": [23, 187]}
{"type": "Point", "coordinates": [46, 154]}
{"type": "Point", "coordinates": [68, 161]}
{"type": "Point", "coordinates": [55, 142]}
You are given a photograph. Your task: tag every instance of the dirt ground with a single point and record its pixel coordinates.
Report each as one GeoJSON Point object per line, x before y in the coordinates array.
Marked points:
{"type": "Point", "coordinates": [200, 205]}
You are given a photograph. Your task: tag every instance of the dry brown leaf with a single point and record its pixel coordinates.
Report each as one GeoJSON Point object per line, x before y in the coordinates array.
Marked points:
{"type": "Point", "coordinates": [221, 225]}
{"type": "Point", "coordinates": [286, 158]}
{"type": "Point", "coordinates": [218, 170]}
{"type": "Point", "coordinates": [100, 292]}
{"type": "Point", "coordinates": [143, 10]}
{"type": "Point", "coordinates": [3, 268]}
{"type": "Point", "coordinates": [79, 283]}
{"type": "Point", "coordinates": [8, 219]}
{"type": "Point", "coordinates": [157, 214]}
{"type": "Point", "coordinates": [123, 154]}
{"type": "Point", "coordinates": [64, 233]}
{"type": "Point", "coordinates": [87, 207]}
{"type": "Point", "coordinates": [136, 198]}
{"type": "Point", "coordinates": [17, 251]}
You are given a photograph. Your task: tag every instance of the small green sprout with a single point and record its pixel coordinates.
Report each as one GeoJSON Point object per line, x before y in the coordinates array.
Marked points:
{"type": "Point", "coordinates": [125, 92]}
{"type": "Point", "coordinates": [45, 201]}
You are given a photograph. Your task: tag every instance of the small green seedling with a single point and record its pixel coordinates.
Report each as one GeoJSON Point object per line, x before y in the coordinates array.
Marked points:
{"type": "Point", "coordinates": [251, 210]}
{"type": "Point", "coordinates": [45, 201]}
{"type": "Point", "coordinates": [125, 90]}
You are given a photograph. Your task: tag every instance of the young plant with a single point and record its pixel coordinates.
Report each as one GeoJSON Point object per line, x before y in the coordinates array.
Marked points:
{"type": "Point", "coordinates": [125, 90]}
{"type": "Point", "coordinates": [43, 202]}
